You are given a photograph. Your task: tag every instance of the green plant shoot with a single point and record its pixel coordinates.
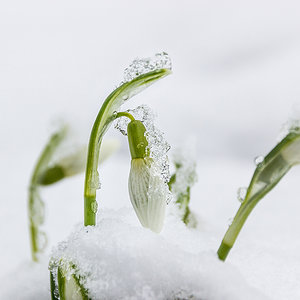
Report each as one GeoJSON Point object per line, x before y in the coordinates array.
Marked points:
{"type": "Point", "coordinates": [106, 115]}
{"type": "Point", "coordinates": [267, 174]}
{"type": "Point", "coordinates": [35, 203]}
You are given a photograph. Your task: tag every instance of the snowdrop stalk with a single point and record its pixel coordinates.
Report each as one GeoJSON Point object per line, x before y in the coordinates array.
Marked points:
{"type": "Point", "coordinates": [107, 114]}
{"type": "Point", "coordinates": [35, 204]}
{"type": "Point", "coordinates": [267, 174]}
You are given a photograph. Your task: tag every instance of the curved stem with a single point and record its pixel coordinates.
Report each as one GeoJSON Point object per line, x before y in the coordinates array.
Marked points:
{"type": "Point", "coordinates": [125, 114]}
{"type": "Point", "coordinates": [35, 204]}
{"type": "Point", "coordinates": [103, 121]}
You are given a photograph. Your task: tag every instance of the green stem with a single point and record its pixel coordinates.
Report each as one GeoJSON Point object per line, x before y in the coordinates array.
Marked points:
{"type": "Point", "coordinates": [103, 121]}
{"type": "Point", "coordinates": [34, 199]}
{"type": "Point", "coordinates": [266, 176]}
{"type": "Point", "coordinates": [125, 114]}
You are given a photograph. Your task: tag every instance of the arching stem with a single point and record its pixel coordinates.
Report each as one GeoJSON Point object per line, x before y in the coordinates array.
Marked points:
{"type": "Point", "coordinates": [103, 121]}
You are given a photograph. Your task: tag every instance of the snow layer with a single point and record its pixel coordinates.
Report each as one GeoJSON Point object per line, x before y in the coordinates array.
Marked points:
{"type": "Point", "coordinates": [122, 260]}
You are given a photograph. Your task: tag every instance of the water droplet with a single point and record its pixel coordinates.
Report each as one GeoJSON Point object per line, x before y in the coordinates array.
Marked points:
{"type": "Point", "coordinates": [42, 241]}
{"type": "Point", "coordinates": [140, 145]}
{"type": "Point", "coordinates": [258, 160]}
{"type": "Point", "coordinates": [241, 193]}
{"type": "Point", "coordinates": [115, 113]}
{"type": "Point", "coordinates": [94, 206]}
{"type": "Point", "coordinates": [38, 212]}
{"type": "Point", "coordinates": [95, 181]}
{"type": "Point", "coordinates": [125, 97]}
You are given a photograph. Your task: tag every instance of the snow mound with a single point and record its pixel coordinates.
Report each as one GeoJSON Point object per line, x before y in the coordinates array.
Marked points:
{"type": "Point", "coordinates": [119, 259]}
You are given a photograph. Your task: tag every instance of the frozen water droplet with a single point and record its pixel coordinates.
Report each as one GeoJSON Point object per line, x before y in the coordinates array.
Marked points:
{"type": "Point", "coordinates": [94, 206]}
{"type": "Point", "coordinates": [115, 113]}
{"type": "Point", "coordinates": [95, 182]}
{"type": "Point", "coordinates": [258, 160]}
{"type": "Point", "coordinates": [125, 97]}
{"type": "Point", "coordinates": [42, 241]}
{"type": "Point", "coordinates": [230, 220]}
{"type": "Point", "coordinates": [145, 65]}
{"type": "Point", "coordinates": [140, 145]}
{"type": "Point", "coordinates": [241, 193]}
{"type": "Point", "coordinates": [38, 213]}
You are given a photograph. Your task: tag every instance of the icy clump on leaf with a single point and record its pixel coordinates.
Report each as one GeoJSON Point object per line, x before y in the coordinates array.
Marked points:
{"type": "Point", "coordinates": [292, 125]}
{"type": "Point", "coordinates": [144, 65]}
{"type": "Point", "coordinates": [184, 159]}
{"type": "Point", "coordinates": [118, 260]}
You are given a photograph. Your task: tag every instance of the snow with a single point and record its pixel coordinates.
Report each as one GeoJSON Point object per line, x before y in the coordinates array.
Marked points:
{"type": "Point", "coordinates": [144, 65]}
{"type": "Point", "coordinates": [121, 260]}
{"type": "Point", "coordinates": [235, 78]}
{"type": "Point", "coordinates": [264, 260]}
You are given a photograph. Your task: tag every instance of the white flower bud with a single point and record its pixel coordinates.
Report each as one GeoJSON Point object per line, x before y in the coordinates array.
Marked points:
{"type": "Point", "coordinates": [146, 191]}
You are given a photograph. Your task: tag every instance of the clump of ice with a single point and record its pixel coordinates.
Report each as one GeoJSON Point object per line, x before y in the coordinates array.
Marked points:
{"type": "Point", "coordinates": [292, 125]}
{"type": "Point", "coordinates": [144, 65]}
{"type": "Point", "coordinates": [118, 259]}
{"type": "Point", "coordinates": [184, 158]}
{"type": "Point", "coordinates": [241, 194]}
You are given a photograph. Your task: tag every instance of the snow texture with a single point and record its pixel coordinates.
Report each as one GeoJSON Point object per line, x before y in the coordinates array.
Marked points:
{"type": "Point", "coordinates": [120, 260]}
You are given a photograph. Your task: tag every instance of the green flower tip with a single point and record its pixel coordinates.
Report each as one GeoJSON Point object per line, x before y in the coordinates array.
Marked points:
{"type": "Point", "coordinates": [137, 140]}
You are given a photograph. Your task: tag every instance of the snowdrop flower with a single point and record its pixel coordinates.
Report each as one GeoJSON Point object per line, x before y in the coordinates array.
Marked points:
{"type": "Point", "coordinates": [145, 186]}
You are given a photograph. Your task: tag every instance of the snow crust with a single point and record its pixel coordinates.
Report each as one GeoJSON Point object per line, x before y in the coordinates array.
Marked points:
{"type": "Point", "coordinates": [121, 260]}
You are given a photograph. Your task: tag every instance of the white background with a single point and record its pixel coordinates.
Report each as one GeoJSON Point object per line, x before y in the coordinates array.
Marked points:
{"type": "Point", "coordinates": [235, 80]}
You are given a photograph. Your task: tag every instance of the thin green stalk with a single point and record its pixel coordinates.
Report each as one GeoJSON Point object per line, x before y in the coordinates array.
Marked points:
{"type": "Point", "coordinates": [125, 114]}
{"type": "Point", "coordinates": [35, 204]}
{"type": "Point", "coordinates": [106, 115]}
{"type": "Point", "coordinates": [267, 174]}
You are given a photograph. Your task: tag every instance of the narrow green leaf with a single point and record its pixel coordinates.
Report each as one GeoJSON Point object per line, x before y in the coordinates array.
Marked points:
{"type": "Point", "coordinates": [54, 296]}
{"type": "Point", "coordinates": [267, 174]}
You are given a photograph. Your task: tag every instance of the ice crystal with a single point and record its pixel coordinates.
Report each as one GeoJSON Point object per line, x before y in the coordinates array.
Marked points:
{"type": "Point", "coordinates": [184, 159]}
{"type": "Point", "coordinates": [144, 65]}
{"type": "Point", "coordinates": [258, 160]}
{"type": "Point", "coordinates": [241, 194]}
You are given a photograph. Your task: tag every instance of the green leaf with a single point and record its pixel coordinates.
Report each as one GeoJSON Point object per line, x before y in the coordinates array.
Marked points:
{"type": "Point", "coordinates": [267, 174]}
{"type": "Point", "coordinates": [69, 286]}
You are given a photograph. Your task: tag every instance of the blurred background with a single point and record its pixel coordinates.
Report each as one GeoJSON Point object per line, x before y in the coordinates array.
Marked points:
{"type": "Point", "coordinates": [235, 81]}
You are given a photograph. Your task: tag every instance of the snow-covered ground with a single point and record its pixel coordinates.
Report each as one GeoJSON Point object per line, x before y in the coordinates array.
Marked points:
{"type": "Point", "coordinates": [235, 79]}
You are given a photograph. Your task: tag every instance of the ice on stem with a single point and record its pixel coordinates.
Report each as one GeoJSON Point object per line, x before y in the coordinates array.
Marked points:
{"type": "Point", "coordinates": [183, 179]}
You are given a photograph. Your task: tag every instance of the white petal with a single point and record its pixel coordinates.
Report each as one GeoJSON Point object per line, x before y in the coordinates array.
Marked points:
{"type": "Point", "coordinates": [147, 194]}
